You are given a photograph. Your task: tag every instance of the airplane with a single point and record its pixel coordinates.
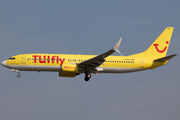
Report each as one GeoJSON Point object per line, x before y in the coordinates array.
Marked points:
{"type": "Point", "coordinates": [72, 65]}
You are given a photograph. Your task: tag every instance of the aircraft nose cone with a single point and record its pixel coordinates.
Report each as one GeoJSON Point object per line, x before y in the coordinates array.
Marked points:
{"type": "Point", "coordinates": [3, 63]}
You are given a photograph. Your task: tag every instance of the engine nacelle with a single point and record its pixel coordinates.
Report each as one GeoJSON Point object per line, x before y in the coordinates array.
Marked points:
{"type": "Point", "coordinates": [72, 68]}
{"type": "Point", "coordinates": [68, 70]}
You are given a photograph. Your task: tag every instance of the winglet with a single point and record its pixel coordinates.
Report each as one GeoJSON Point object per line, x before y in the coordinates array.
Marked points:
{"type": "Point", "coordinates": [117, 45]}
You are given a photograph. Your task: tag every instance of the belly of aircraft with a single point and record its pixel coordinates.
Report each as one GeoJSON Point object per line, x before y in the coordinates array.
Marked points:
{"type": "Point", "coordinates": [58, 68]}
{"type": "Point", "coordinates": [34, 68]}
{"type": "Point", "coordinates": [119, 70]}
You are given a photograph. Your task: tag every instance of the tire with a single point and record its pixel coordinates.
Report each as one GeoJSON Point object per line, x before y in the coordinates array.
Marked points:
{"type": "Point", "coordinates": [88, 76]}
{"type": "Point", "coordinates": [86, 79]}
{"type": "Point", "coordinates": [18, 75]}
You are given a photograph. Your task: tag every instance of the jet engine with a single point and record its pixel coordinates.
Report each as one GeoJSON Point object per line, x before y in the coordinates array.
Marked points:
{"type": "Point", "coordinates": [68, 70]}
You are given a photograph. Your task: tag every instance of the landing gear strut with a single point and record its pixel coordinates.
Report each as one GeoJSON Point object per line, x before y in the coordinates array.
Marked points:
{"type": "Point", "coordinates": [17, 71]}
{"type": "Point", "coordinates": [87, 76]}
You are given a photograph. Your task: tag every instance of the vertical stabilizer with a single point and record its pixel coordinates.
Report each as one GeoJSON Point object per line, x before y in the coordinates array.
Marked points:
{"type": "Point", "coordinates": [160, 46]}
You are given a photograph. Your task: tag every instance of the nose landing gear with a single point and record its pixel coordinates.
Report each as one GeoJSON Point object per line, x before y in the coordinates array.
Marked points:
{"type": "Point", "coordinates": [18, 75]}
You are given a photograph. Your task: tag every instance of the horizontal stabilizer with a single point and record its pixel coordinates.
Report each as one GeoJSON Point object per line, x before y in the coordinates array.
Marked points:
{"type": "Point", "coordinates": [165, 58]}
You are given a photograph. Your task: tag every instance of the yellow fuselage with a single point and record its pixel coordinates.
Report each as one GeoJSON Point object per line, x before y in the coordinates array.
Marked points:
{"type": "Point", "coordinates": [53, 62]}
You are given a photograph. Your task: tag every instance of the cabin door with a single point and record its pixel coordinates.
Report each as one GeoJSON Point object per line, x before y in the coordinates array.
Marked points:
{"type": "Point", "coordinates": [23, 59]}
{"type": "Point", "coordinates": [141, 62]}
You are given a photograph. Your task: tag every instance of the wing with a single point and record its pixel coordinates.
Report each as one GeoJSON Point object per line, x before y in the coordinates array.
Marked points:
{"type": "Point", "coordinates": [95, 62]}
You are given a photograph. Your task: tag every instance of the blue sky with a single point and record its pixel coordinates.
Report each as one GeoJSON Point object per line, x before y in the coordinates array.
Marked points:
{"type": "Point", "coordinates": [88, 27]}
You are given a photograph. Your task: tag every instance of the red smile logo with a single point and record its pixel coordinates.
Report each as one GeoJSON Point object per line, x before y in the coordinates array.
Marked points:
{"type": "Point", "coordinates": [161, 51]}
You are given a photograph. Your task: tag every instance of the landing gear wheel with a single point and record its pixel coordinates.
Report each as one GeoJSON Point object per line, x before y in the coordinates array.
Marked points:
{"type": "Point", "coordinates": [87, 77]}
{"type": "Point", "coordinates": [18, 75]}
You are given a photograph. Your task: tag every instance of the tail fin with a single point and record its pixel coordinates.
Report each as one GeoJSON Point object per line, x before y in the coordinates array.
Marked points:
{"type": "Point", "coordinates": [159, 47]}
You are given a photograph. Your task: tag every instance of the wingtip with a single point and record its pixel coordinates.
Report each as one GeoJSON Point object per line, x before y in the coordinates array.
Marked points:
{"type": "Point", "coordinates": [117, 44]}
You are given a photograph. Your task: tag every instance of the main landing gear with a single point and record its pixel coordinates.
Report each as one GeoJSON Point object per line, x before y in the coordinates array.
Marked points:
{"type": "Point", "coordinates": [87, 76]}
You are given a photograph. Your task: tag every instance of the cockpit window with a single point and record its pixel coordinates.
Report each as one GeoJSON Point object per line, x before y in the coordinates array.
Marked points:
{"type": "Point", "coordinates": [11, 58]}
